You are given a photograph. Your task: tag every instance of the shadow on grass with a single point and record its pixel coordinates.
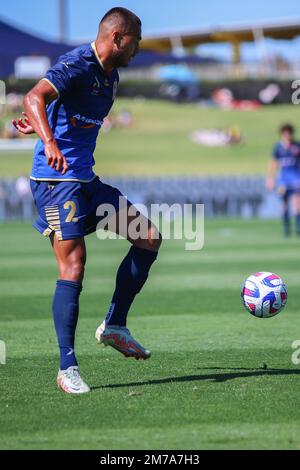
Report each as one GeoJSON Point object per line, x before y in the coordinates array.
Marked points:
{"type": "Point", "coordinates": [217, 377]}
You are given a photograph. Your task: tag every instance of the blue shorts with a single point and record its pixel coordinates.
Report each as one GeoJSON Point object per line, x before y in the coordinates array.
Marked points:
{"type": "Point", "coordinates": [286, 192]}
{"type": "Point", "coordinates": [287, 185]}
{"type": "Point", "coordinates": [68, 209]}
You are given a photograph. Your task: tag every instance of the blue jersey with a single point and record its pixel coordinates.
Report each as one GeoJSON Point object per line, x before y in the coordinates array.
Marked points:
{"type": "Point", "coordinates": [86, 95]}
{"type": "Point", "coordinates": [288, 158]}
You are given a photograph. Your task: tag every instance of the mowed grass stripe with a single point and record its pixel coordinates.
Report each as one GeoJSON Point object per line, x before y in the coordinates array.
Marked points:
{"type": "Point", "coordinates": [167, 259]}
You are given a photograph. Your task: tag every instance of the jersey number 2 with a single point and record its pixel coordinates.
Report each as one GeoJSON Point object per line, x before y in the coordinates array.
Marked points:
{"type": "Point", "coordinates": [72, 206]}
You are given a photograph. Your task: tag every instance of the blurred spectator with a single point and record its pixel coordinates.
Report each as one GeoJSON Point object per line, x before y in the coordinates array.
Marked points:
{"type": "Point", "coordinates": [125, 118]}
{"type": "Point", "coordinates": [23, 186]}
{"type": "Point", "coordinates": [10, 132]}
{"type": "Point", "coordinates": [24, 192]}
{"type": "Point", "coordinates": [235, 136]}
{"type": "Point", "coordinates": [217, 137]}
{"type": "Point", "coordinates": [2, 202]}
{"type": "Point", "coordinates": [14, 102]}
{"type": "Point", "coordinates": [223, 98]}
{"type": "Point", "coordinates": [109, 123]}
{"type": "Point", "coordinates": [179, 83]}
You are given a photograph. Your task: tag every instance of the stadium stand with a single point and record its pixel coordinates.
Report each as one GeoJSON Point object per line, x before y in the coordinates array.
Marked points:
{"type": "Point", "coordinates": [223, 196]}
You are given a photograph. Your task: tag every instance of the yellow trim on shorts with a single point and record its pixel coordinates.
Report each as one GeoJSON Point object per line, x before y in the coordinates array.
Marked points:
{"type": "Point", "coordinates": [53, 219]}
{"type": "Point", "coordinates": [47, 232]}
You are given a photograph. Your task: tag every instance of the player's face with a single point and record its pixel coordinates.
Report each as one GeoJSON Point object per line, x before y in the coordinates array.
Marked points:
{"type": "Point", "coordinates": [128, 46]}
{"type": "Point", "coordinates": [287, 136]}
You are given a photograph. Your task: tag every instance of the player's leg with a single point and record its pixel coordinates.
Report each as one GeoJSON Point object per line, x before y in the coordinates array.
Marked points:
{"type": "Point", "coordinates": [71, 257]}
{"type": "Point", "coordinates": [131, 277]}
{"type": "Point", "coordinates": [134, 269]}
{"type": "Point", "coordinates": [296, 208]}
{"type": "Point", "coordinates": [286, 214]}
{"type": "Point", "coordinates": [62, 208]}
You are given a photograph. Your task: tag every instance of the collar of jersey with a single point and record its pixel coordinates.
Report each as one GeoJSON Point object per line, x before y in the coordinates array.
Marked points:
{"type": "Point", "coordinates": [93, 45]}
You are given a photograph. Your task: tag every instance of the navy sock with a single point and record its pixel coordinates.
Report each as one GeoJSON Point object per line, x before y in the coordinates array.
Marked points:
{"type": "Point", "coordinates": [298, 224]}
{"type": "Point", "coordinates": [65, 314]}
{"type": "Point", "coordinates": [131, 276]}
{"type": "Point", "coordinates": [286, 223]}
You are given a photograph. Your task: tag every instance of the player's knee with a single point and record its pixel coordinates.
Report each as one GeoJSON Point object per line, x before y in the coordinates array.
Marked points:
{"type": "Point", "coordinates": [78, 270]}
{"type": "Point", "coordinates": [73, 271]}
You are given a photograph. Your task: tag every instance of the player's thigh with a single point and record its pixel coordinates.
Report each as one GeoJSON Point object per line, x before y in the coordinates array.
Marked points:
{"type": "Point", "coordinates": [70, 256]}
{"type": "Point", "coordinates": [131, 224]}
{"type": "Point", "coordinates": [112, 211]}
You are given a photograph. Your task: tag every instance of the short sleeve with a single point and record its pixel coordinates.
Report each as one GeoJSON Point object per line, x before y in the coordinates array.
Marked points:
{"type": "Point", "coordinates": [65, 74]}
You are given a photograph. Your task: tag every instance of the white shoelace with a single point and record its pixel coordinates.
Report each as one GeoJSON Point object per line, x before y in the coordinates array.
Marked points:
{"type": "Point", "coordinates": [74, 376]}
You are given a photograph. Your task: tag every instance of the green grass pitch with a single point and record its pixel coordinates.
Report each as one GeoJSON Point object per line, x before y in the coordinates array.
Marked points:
{"type": "Point", "coordinates": [218, 378]}
{"type": "Point", "coordinates": [159, 144]}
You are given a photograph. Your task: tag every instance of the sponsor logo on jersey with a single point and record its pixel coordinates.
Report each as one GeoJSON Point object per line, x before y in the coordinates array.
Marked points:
{"type": "Point", "coordinates": [83, 122]}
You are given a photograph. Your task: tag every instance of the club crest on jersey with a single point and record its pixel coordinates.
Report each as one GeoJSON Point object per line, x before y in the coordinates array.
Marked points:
{"type": "Point", "coordinates": [83, 122]}
{"type": "Point", "coordinates": [96, 87]}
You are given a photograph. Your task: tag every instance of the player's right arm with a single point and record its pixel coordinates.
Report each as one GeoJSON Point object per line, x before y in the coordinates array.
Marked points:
{"type": "Point", "coordinates": [271, 174]}
{"type": "Point", "coordinates": [35, 103]}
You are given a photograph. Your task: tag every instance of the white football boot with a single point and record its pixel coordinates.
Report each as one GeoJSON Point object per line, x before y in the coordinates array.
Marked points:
{"type": "Point", "coordinates": [119, 338]}
{"type": "Point", "coordinates": [69, 381]}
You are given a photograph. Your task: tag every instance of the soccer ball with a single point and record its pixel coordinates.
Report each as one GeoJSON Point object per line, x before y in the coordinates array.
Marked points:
{"type": "Point", "coordinates": [264, 294]}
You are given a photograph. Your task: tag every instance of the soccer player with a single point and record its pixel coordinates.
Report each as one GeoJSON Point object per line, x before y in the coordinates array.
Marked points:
{"type": "Point", "coordinates": [66, 109]}
{"type": "Point", "coordinates": [284, 174]}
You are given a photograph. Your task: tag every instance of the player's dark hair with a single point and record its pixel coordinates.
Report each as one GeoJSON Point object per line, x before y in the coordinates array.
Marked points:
{"type": "Point", "coordinates": [287, 128]}
{"type": "Point", "coordinates": [119, 12]}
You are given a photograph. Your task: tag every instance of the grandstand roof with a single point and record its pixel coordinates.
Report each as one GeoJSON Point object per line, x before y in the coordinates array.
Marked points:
{"type": "Point", "coordinates": [164, 41]}
{"type": "Point", "coordinates": [15, 43]}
